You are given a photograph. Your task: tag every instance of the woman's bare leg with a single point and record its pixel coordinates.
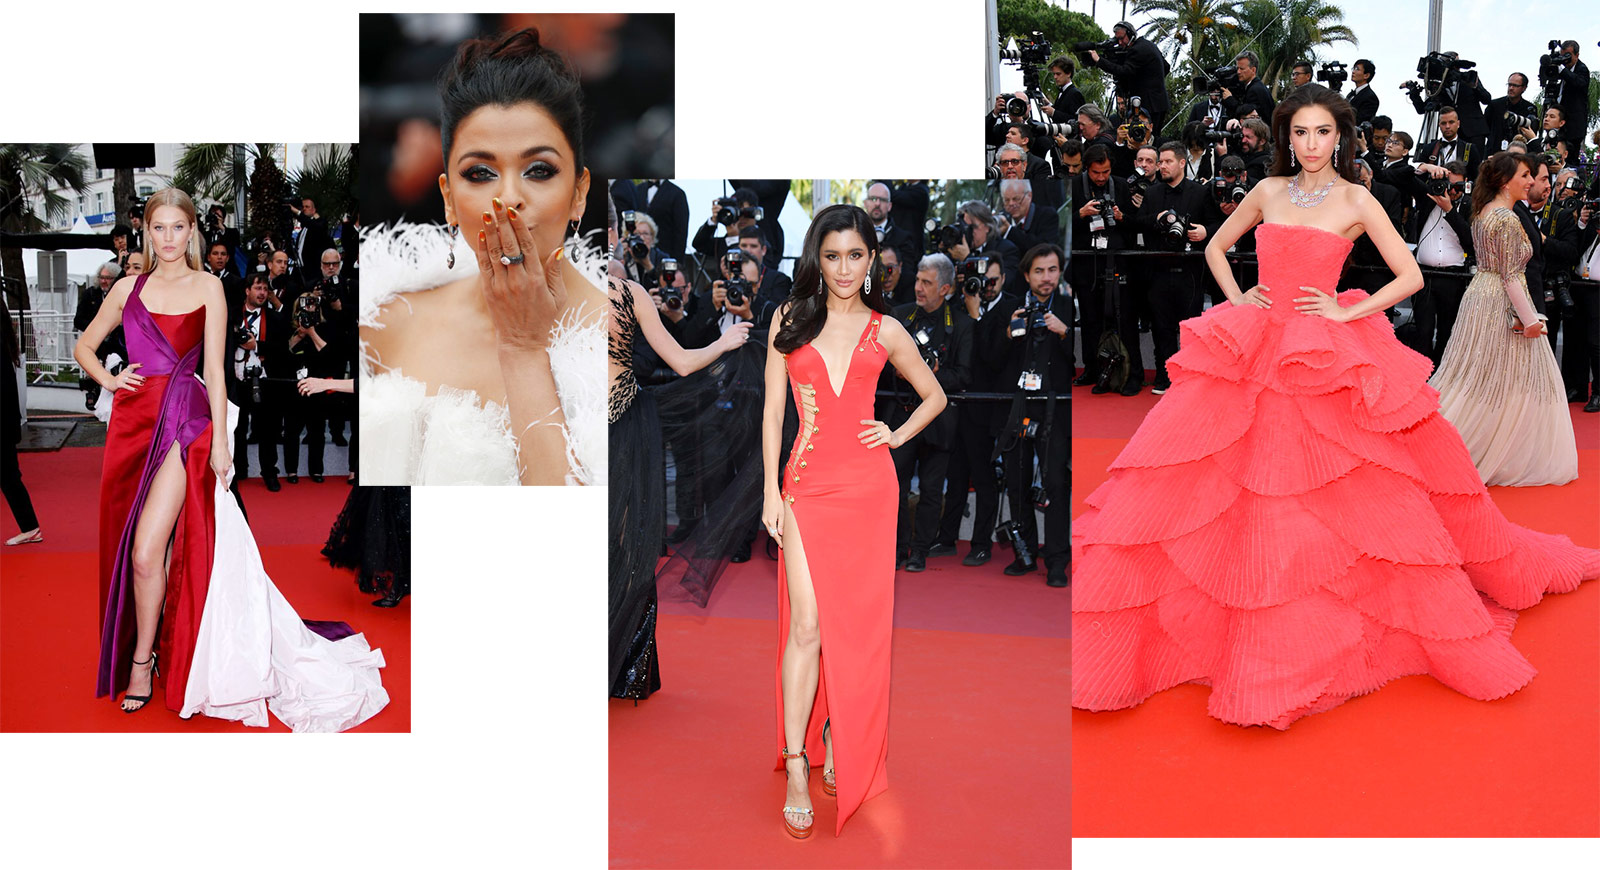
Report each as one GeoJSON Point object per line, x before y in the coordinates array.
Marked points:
{"type": "Point", "coordinates": [151, 544]}
{"type": "Point", "coordinates": [801, 664]}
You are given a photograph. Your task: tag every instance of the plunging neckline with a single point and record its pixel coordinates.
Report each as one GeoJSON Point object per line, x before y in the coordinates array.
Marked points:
{"type": "Point", "coordinates": [827, 371]}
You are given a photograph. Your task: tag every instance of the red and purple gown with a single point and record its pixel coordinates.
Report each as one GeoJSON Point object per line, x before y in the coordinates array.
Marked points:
{"type": "Point", "coordinates": [843, 496]}
{"type": "Point", "coordinates": [1295, 524]}
{"type": "Point", "coordinates": [230, 646]}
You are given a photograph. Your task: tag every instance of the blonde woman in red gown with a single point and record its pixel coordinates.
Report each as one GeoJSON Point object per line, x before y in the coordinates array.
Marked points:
{"type": "Point", "coordinates": [831, 507]}
{"type": "Point", "coordinates": [183, 594]}
{"type": "Point", "coordinates": [1295, 524]}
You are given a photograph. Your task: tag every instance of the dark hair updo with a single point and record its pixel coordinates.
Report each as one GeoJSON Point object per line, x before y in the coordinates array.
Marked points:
{"type": "Point", "coordinates": [505, 72]}
{"type": "Point", "coordinates": [808, 310]}
{"type": "Point", "coordinates": [1344, 120]}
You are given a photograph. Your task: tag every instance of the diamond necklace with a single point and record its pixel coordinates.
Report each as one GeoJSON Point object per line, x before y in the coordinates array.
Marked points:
{"type": "Point", "coordinates": [1312, 199]}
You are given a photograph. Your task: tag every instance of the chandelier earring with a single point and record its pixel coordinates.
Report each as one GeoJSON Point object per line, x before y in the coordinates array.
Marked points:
{"type": "Point", "coordinates": [450, 262]}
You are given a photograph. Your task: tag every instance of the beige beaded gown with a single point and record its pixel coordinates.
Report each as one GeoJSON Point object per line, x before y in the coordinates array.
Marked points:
{"type": "Point", "coordinates": [1501, 389]}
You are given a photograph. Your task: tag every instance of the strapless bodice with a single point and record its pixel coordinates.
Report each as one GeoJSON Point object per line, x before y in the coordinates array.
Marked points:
{"type": "Point", "coordinates": [1295, 255]}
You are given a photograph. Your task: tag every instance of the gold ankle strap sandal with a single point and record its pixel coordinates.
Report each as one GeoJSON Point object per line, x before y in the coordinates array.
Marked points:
{"type": "Point", "coordinates": [795, 831]}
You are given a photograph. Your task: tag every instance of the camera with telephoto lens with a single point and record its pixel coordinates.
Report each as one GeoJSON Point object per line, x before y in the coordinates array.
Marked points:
{"type": "Point", "coordinates": [971, 275]}
{"type": "Point", "coordinates": [735, 285]}
{"type": "Point", "coordinates": [1019, 545]}
{"type": "Point", "coordinates": [729, 210]}
{"type": "Point", "coordinates": [1234, 138]}
{"type": "Point", "coordinates": [1559, 283]}
{"type": "Point", "coordinates": [636, 246]}
{"type": "Point", "coordinates": [1438, 71]}
{"type": "Point", "coordinates": [1333, 74]}
{"type": "Point", "coordinates": [1172, 230]}
{"type": "Point", "coordinates": [1030, 55]}
{"type": "Point", "coordinates": [942, 239]}
{"type": "Point", "coordinates": [1512, 124]}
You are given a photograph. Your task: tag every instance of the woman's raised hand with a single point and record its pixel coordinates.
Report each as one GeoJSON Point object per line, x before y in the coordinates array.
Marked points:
{"type": "Point", "coordinates": [736, 335]}
{"type": "Point", "coordinates": [525, 294]}
{"type": "Point", "coordinates": [1256, 296]}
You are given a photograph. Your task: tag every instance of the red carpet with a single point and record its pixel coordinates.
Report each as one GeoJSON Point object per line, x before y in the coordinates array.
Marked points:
{"type": "Point", "coordinates": [1412, 759]}
{"type": "Point", "coordinates": [49, 597]}
{"type": "Point", "coordinates": [978, 768]}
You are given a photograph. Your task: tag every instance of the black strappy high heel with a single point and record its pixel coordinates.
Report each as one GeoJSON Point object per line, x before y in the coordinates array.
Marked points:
{"type": "Point", "coordinates": [155, 671]}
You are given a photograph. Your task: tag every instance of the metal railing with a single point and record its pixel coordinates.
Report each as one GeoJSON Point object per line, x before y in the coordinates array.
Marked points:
{"type": "Point", "coordinates": [49, 337]}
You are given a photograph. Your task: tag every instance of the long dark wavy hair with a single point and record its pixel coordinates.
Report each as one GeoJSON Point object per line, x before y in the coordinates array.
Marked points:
{"type": "Point", "coordinates": [1344, 118]}
{"type": "Point", "coordinates": [807, 305]}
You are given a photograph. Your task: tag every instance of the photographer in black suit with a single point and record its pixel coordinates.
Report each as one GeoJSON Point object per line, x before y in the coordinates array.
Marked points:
{"type": "Point", "coordinates": [264, 353]}
{"type": "Point", "coordinates": [1452, 144]}
{"type": "Point", "coordinates": [313, 238]}
{"type": "Point", "coordinates": [1514, 102]}
{"type": "Point", "coordinates": [1362, 97]}
{"type": "Point", "coordinates": [1530, 225]}
{"type": "Point", "coordinates": [1251, 89]}
{"type": "Point", "coordinates": [1177, 215]}
{"type": "Point", "coordinates": [1068, 98]}
{"type": "Point", "coordinates": [1468, 95]}
{"type": "Point", "coordinates": [1139, 70]}
{"type": "Point", "coordinates": [1563, 248]}
{"type": "Point", "coordinates": [742, 214]}
{"type": "Point", "coordinates": [1098, 230]}
{"type": "Point", "coordinates": [1038, 362]}
{"type": "Point", "coordinates": [1572, 94]}
{"type": "Point", "coordinates": [667, 204]}
{"type": "Point", "coordinates": [978, 423]}
{"type": "Point", "coordinates": [983, 232]}
{"type": "Point", "coordinates": [315, 350]}
{"type": "Point", "coordinates": [879, 205]}
{"type": "Point", "coordinates": [1443, 230]}
{"type": "Point", "coordinates": [1029, 223]}
{"type": "Point", "coordinates": [943, 334]}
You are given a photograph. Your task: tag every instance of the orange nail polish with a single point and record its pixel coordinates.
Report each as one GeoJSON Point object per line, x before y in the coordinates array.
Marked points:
{"type": "Point", "coordinates": [482, 237]}
{"type": "Point", "coordinates": [498, 204]}
{"type": "Point", "coordinates": [487, 219]}
{"type": "Point", "coordinates": [511, 213]}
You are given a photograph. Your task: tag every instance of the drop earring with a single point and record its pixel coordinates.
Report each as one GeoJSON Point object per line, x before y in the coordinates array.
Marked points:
{"type": "Point", "coordinates": [1292, 162]}
{"type": "Point", "coordinates": [450, 263]}
{"type": "Point", "coordinates": [572, 228]}
{"type": "Point", "coordinates": [866, 287]}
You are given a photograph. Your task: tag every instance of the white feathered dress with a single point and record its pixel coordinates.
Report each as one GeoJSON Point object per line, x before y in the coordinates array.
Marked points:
{"type": "Point", "coordinates": [457, 437]}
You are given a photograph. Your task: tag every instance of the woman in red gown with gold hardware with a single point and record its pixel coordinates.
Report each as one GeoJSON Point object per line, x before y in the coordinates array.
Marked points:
{"type": "Point", "coordinates": [1295, 524]}
{"type": "Point", "coordinates": [181, 580]}
{"type": "Point", "coordinates": [838, 491]}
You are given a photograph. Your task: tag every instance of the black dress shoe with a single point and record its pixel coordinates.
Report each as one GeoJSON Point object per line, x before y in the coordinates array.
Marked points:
{"type": "Point", "coordinates": [1100, 388]}
{"type": "Point", "coordinates": [316, 478]}
{"type": "Point", "coordinates": [1594, 404]}
{"type": "Point", "coordinates": [1057, 579]}
{"type": "Point", "coordinates": [1085, 379]}
{"type": "Point", "coordinates": [1132, 388]}
{"type": "Point", "coordinates": [978, 556]}
{"type": "Point", "coordinates": [272, 483]}
{"type": "Point", "coordinates": [941, 550]}
{"type": "Point", "coordinates": [1574, 396]}
{"type": "Point", "coordinates": [741, 553]}
{"type": "Point", "coordinates": [292, 478]}
{"type": "Point", "coordinates": [917, 562]}
{"type": "Point", "coordinates": [1016, 568]}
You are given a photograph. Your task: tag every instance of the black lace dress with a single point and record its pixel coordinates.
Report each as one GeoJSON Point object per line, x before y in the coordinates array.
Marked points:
{"type": "Point", "coordinates": [373, 536]}
{"type": "Point", "coordinates": [638, 504]}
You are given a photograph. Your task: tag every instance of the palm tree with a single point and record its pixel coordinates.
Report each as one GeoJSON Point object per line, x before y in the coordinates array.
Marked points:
{"type": "Point", "coordinates": [27, 174]}
{"type": "Point", "coordinates": [1283, 32]}
{"type": "Point", "coordinates": [213, 172]}
{"type": "Point", "coordinates": [1180, 23]}
{"type": "Point", "coordinates": [330, 179]}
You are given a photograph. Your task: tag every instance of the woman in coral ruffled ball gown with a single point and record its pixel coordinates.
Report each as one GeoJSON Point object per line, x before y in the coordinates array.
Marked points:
{"type": "Point", "coordinates": [1325, 531]}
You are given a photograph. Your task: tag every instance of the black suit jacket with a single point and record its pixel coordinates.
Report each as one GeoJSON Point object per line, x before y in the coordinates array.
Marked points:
{"type": "Point", "coordinates": [1256, 94]}
{"type": "Point", "coordinates": [772, 194]}
{"type": "Point", "coordinates": [1469, 101]}
{"type": "Point", "coordinates": [1056, 357]}
{"type": "Point", "coordinates": [1010, 255]}
{"type": "Point", "coordinates": [1042, 225]}
{"type": "Point", "coordinates": [1575, 100]}
{"type": "Point", "coordinates": [1535, 267]}
{"type": "Point", "coordinates": [1141, 72]}
{"type": "Point", "coordinates": [1067, 104]}
{"type": "Point", "coordinates": [1365, 102]}
{"type": "Point", "coordinates": [1561, 240]}
{"type": "Point", "coordinates": [315, 233]}
{"type": "Point", "coordinates": [1116, 190]}
{"type": "Point", "coordinates": [670, 210]}
{"type": "Point", "coordinates": [906, 245]}
{"type": "Point", "coordinates": [1200, 110]}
